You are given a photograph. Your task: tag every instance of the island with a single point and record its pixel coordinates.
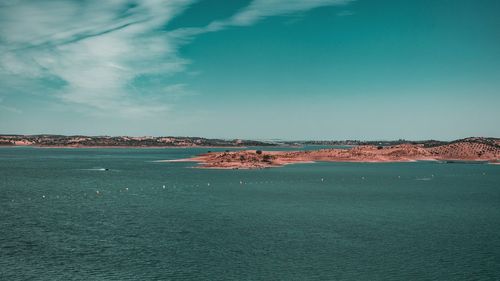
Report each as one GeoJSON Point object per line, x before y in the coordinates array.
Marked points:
{"type": "Point", "coordinates": [474, 150]}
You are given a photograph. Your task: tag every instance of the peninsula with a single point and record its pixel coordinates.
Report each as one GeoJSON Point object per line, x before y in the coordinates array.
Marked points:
{"type": "Point", "coordinates": [470, 149]}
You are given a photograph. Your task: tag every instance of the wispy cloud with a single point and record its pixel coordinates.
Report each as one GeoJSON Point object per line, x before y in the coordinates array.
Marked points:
{"type": "Point", "coordinates": [260, 9]}
{"type": "Point", "coordinates": [95, 50]}
{"type": "Point", "coordinates": [254, 12]}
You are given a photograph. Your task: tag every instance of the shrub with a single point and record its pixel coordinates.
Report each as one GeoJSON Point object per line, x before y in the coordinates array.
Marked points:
{"type": "Point", "coordinates": [258, 152]}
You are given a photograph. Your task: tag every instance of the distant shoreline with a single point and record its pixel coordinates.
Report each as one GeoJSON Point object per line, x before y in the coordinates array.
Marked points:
{"type": "Point", "coordinates": [118, 146]}
{"type": "Point", "coordinates": [55, 141]}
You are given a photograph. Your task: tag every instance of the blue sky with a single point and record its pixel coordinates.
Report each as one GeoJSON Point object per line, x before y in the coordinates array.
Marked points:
{"type": "Point", "coordinates": [311, 69]}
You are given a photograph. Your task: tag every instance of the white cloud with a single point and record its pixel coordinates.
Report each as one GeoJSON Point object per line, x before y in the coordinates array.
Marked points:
{"type": "Point", "coordinates": [256, 11]}
{"type": "Point", "coordinates": [97, 48]}
{"type": "Point", "coordinates": [259, 9]}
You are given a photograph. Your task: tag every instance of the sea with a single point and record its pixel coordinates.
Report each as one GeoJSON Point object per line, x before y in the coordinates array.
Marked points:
{"type": "Point", "coordinates": [120, 214]}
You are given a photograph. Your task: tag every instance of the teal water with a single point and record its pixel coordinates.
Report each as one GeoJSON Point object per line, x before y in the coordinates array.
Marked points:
{"type": "Point", "coordinates": [390, 221]}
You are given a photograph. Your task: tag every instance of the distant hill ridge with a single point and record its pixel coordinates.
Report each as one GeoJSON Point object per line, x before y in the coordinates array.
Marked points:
{"type": "Point", "coordinates": [169, 141]}
{"type": "Point", "coordinates": [121, 141]}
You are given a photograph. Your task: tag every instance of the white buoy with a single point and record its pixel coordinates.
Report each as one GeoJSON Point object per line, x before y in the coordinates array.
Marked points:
{"type": "Point", "coordinates": [163, 186]}
{"type": "Point", "coordinates": [241, 182]}
{"type": "Point", "coordinates": [126, 188]}
{"type": "Point", "coordinates": [362, 178]}
{"type": "Point", "coordinates": [43, 196]}
{"type": "Point", "coordinates": [322, 179]}
{"type": "Point", "coordinates": [208, 184]}
{"type": "Point", "coordinates": [97, 192]}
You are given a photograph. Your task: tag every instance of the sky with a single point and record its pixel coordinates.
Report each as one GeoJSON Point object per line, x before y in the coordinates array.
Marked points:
{"type": "Point", "coordinates": [255, 69]}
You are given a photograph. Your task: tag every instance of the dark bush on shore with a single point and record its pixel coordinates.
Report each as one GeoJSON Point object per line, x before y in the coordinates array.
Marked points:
{"type": "Point", "coordinates": [379, 147]}
{"type": "Point", "coordinates": [258, 152]}
{"type": "Point", "coordinates": [266, 158]}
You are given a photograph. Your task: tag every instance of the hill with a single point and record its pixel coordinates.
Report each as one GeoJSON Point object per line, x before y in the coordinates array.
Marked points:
{"type": "Point", "coordinates": [122, 141]}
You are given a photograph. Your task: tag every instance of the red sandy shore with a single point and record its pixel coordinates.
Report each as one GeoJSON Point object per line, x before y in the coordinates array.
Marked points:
{"type": "Point", "coordinates": [250, 159]}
